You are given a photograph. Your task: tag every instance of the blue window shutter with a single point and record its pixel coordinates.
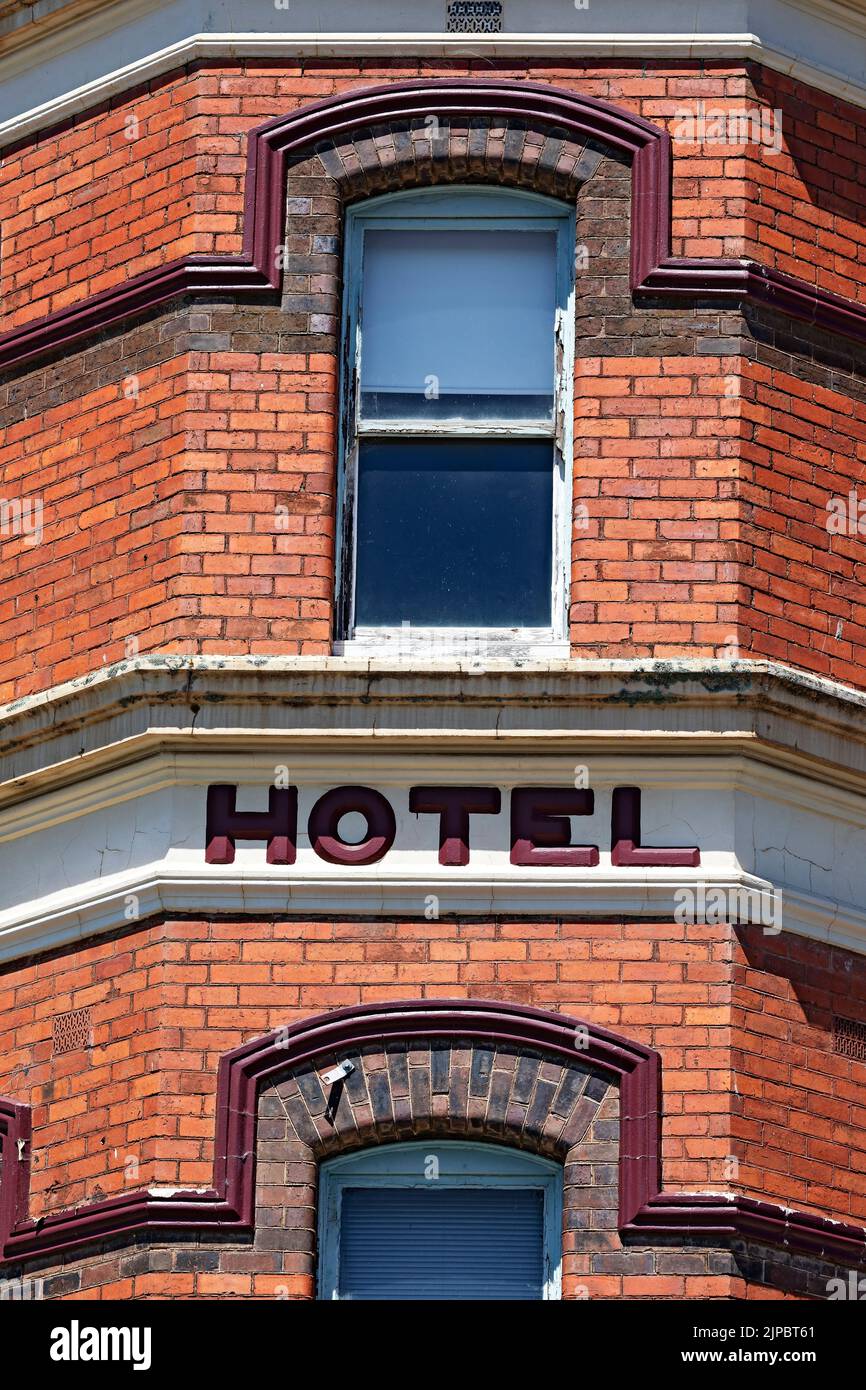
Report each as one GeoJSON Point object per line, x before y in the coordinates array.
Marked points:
{"type": "Point", "coordinates": [442, 1243]}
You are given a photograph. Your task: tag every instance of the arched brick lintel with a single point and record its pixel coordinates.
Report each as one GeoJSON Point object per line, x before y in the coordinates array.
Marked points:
{"type": "Point", "coordinates": [230, 1204]}
{"type": "Point", "coordinates": [538, 105]}
{"type": "Point", "coordinates": [271, 145]}
{"type": "Point", "coordinates": [646, 1213]}
{"type": "Point", "coordinates": [635, 1069]}
{"type": "Point", "coordinates": [654, 271]}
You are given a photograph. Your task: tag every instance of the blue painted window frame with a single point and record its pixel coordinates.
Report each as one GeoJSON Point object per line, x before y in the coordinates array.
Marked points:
{"type": "Point", "coordinates": [458, 207]}
{"type": "Point", "coordinates": [461, 1163]}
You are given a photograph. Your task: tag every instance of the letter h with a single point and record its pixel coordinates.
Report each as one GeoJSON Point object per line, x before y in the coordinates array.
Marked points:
{"type": "Point", "coordinates": [278, 825]}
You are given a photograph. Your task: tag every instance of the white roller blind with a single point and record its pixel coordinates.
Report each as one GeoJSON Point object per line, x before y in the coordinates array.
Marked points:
{"type": "Point", "coordinates": [472, 310]}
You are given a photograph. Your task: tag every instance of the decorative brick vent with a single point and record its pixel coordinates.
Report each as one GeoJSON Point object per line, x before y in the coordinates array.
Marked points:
{"type": "Point", "coordinates": [71, 1031]}
{"type": "Point", "coordinates": [849, 1038]}
{"type": "Point", "coordinates": [475, 17]}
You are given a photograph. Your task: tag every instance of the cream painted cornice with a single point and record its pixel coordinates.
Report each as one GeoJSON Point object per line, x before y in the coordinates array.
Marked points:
{"type": "Point", "coordinates": [765, 765]}
{"type": "Point", "coordinates": [127, 712]}
{"type": "Point", "coordinates": [180, 882]}
{"type": "Point", "coordinates": [633, 48]}
{"type": "Point", "coordinates": [23, 24]}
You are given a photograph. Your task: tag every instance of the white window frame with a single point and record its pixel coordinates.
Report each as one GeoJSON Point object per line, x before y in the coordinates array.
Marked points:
{"type": "Point", "coordinates": [458, 1163]}
{"type": "Point", "coordinates": [457, 208]}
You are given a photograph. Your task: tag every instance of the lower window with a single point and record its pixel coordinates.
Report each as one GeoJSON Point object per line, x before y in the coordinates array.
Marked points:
{"type": "Point", "coordinates": [440, 1221]}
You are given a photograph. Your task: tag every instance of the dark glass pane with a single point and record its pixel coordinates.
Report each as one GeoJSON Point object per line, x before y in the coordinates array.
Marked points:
{"type": "Point", "coordinates": [395, 405]}
{"type": "Point", "coordinates": [454, 533]}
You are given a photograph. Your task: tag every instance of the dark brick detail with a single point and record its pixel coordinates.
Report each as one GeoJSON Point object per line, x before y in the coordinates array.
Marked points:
{"type": "Point", "coordinates": [569, 1090]}
{"type": "Point", "coordinates": [380, 1098]}
{"type": "Point", "coordinates": [483, 150]}
{"type": "Point", "coordinates": [62, 1284]}
{"type": "Point", "coordinates": [497, 1103]}
{"type": "Point", "coordinates": [389, 1084]}
{"type": "Point", "coordinates": [398, 1069]}
{"type": "Point", "coordinates": [802, 1276]}
{"type": "Point", "coordinates": [539, 1109]}
{"type": "Point", "coordinates": [385, 159]}
{"type": "Point", "coordinates": [440, 1068]}
{"type": "Point", "coordinates": [596, 1088]}
{"type": "Point", "coordinates": [458, 1090]}
{"type": "Point", "coordinates": [527, 1070]}
{"type": "Point", "coordinates": [311, 1090]}
{"type": "Point", "coordinates": [419, 1090]}
{"type": "Point", "coordinates": [482, 1067]}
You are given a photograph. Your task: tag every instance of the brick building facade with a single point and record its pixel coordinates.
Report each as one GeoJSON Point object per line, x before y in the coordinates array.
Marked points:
{"type": "Point", "coordinates": [654, 973]}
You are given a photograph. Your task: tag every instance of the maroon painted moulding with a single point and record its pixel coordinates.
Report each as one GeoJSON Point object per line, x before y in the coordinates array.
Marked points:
{"type": "Point", "coordinates": [645, 1212]}
{"type": "Point", "coordinates": [654, 271]}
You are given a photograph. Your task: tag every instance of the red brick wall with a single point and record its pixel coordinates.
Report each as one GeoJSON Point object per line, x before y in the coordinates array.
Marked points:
{"type": "Point", "coordinates": [128, 204]}
{"type": "Point", "coordinates": [109, 471]}
{"type": "Point", "coordinates": [200, 516]}
{"type": "Point", "coordinates": [197, 514]}
{"type": "Point", "coordinates": [187, 468]}
{"type": "Point", "coordinates": [657, 468]}
{"type": "Point", "coordinates": [167, 999]}
{"type": "Point", "coordinates": [800, 1107]}
{"type": "Point", "coordinates": [260, 568]}
{"type": "Point", "coordinates": [804, 212]}
{"type": "Point", "coordinates": [802, 445]}
{"type": "Point", "coordinates": [83, 208]}
{"type": "Point", "coordinates": [112, 195]}
{"type": "Point", "coordinates": [706, 484]}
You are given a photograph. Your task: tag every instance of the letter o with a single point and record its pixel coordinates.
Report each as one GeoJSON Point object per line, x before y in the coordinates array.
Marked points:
{"type": "Point", "coordinates": [329, 810]}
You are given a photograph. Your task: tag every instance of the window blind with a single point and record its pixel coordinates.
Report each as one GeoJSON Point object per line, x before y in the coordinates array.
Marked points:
{"type": "Point", "coordinates": [448, 1243]}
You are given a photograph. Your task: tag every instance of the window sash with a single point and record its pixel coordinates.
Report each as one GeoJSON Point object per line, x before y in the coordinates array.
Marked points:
{"type": "Point", "coordinates": [457, 429]}
{"type": "Point", "coordinates": [447, 525]}
{"type": "Point", "coordinates": [483, 210]}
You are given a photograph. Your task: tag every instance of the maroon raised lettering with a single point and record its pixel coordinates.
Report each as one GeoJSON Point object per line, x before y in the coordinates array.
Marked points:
{"type": "Point", "coordinates": [540, 832]}
{"type": "Point", "coordinates": [329, 810]}
{"type": "Point", "coordinates": [225, 824]}
{"type": "Point", "coordinates": [454, 806]}
{"type": "Point", "coordinates": [626, 848]}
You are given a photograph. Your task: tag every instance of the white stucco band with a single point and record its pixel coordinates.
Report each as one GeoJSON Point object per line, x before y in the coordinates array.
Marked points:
{"type": "Point", "coordinates": [103, 791]}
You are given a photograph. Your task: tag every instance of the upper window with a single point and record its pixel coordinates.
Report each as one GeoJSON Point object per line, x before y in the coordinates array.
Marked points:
{"type": "Point", "coordinates": [427, 1220]}
{"type": "Point", "coordinates": [456, 421]}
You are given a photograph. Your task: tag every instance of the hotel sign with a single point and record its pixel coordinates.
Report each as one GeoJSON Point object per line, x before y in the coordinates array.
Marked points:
{"type": "Point", "coordinates": [540, 830]}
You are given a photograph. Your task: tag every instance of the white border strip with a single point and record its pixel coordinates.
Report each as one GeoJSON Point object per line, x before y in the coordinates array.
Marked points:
{"type": "Point", "coordinates": [131, 898]}
{"type": "Point", "coordinates": [741, 47]}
